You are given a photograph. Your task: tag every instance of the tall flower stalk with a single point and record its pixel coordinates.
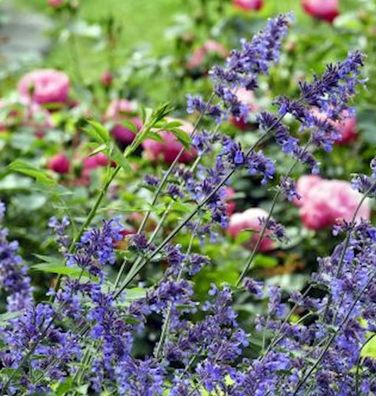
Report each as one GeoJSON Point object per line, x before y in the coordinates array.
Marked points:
{"type": "Point", "coordinates": [202, 346]}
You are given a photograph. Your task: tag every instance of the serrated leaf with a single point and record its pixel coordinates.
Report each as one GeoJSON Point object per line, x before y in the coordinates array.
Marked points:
{"type": "Point", "coordinates": [40, 175]}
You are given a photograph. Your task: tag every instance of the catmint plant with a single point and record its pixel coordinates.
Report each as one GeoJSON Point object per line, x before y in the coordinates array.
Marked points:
{"type": "Point", "coordinates": [82, 338]}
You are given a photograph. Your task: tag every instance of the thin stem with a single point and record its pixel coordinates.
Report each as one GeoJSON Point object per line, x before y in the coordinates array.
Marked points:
{"type": "Point", "coordinates": [357, 392]}
{"type": "Point", "coordinates": [169, 309]}
{"type": "Point", "coordinates": [132, 273]}
{"type": "Point", "coordinates": [138, 260]}
{"type": "Point", "coordinates": [278, 336]}
{"type": "Point", "coordinates": [333, 336]}
{"type": "Point", "coordinates": [346, 244]}
{"type": "Point", "coordinates": [249, 262]}
{"type": "Point", "coordinates": [90, 217]}
{"type": "Point", "coordinates": [172, 167]}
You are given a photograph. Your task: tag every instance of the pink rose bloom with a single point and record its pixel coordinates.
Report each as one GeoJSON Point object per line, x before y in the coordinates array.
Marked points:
{"type": "Point", "coordinates": [95, 161]}
{"type": "Point", "coordinates": [106, 78]}
{"type": "Point", "coordinates": [304, 184]}
{"type": "Point", "coordinates": [59, 163]}
{"type": "Point", "coordinates": [325, 202]}
{"type": "Point", "coordinates": [211, 47]}
{"type": "Point", "coordinates": [230, 204]}
{"type": "Point", "coordinates": [44, 86]}
{"type": "Point", "coordinates": [170, 147]}
{"type": "Point", "coordinates": [120, 110]}
{"type": "Point", "coordinates": [347, 129]}
{"type": "Point", "coordinates": [248, 98]}
{"type": "Point", "coordinates": [326, 10]}
{"type": "Point", "coordinates": [55, 3]}
{"type": "Point", "coordinates": [248, 5]}
{"type": "Point", "coordinates": [249, 220]}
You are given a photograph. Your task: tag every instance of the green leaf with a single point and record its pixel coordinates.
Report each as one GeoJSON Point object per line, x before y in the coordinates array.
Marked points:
{"type": "Point", "coordinates": [99, 149]}
{"type": "Point", "coordinates": [262, 261]}
{"type": "Point", "coordinates": [41, 176]}
{"type": "Point", "coordinates": [154, 136]}
{"type": "Point", "coordinates": [179, 206]}
{"type": "Point", "coordinates": [369, 349]}
{"type": "Point", "coordinates": [130, 125]}
{"type": "Point", "coordinates": [30, 201]}
{"type": "Point", "coordinates": [56, 267]}
{"type": "Point", "coordinates": [119, 158]}
{"type": "Point", "coordinates": [64, 387]}
{"type": "Point", "coordinates": [183, 137]}
{"type": "Point", "coordinates": [98, 132]}
{"type": "Point", "coordinates": [5, 317]}
{"type": "Point", "coordinates": [131, 295]}
{"type": "Point", "coordinates": [172, 124]}
{"type": "Point", "coordinates": [366, 121]}
{"type": "Point", "coordinates": [15, 182]}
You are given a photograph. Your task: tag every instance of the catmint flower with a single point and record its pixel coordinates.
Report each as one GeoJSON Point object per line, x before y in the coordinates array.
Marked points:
{"type": "Point", "coordinates": [258, 164]}
{"type": "Point", "coordinates": [174, 191]}
{"type": "Point", "coordinates": [96, 247]}
{"type": "Point", "coordinates": [14, 280]}
{"type": "Point", "coordinates": [151, 180]}
{"type": "Point", "coordinates": [254, 287]}
{"type": "Point", "coordinates": [288, 188]}
{"type": "Point", "coordinates": [366, 184]}
{"type": "Point", "coordinates": [60, 229]}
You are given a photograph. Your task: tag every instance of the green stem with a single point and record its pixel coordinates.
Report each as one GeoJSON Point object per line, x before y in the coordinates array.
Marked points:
{"type": "Point", "coordinates": [358, 364]}
{"type": "Point", "coordinates": [169, 309]}
{"type": "Point", "coordinates": [249, 262]}
{"type": "Point", "coordinates": [333, 336]}
{"type": "Point", "coordinates": [172, 167]}
{"type": "Point", "coordinates": [346, 245]}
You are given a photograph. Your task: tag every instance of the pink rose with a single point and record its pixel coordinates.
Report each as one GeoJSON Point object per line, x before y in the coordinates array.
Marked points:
{"type": "Point", "coordinates": [120, 110]}
{"type": "Point", "coordinates": [55, 3]}
{"type": "Point", "coordinates": [106, 78]}
{"type": "Point", "coordinates": [347, 129]}
{"type": "Point", "coordinates": [211, 47]}
{"type": "Point", "coordinates": [250, 220]}
{"type": "Point", "coordinates": [59, 163]}
{"type": "Point", "coordinates": [95, 161]}
{"type": "Point", "coordinates": [170, 147]}
{"type": "Point", "coordinates": [325, 202]}
{"type": "Point", "coordinates": [44, 86]}
{"type": "Point", "coordinates": [326, 10]}
{"type": "Point", "coordinates": [230, 204]}
{"type": "Point", "coordinates": [248, 98]}
{"type": "Point", "coordinates": [248, 5]}
{"type": "Point", "coordinates": [304, 185]}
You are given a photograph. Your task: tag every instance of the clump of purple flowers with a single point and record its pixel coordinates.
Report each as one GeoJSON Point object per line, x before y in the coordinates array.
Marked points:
{"type": "Point", "coordinates": [84, 338]}
{"type": "Point", "coordinates": [14, 280]}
